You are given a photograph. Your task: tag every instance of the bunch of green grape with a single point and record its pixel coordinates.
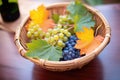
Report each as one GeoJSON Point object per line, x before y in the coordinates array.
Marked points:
{"type": "Point", "coordinates": [35, 32]}
{"type": "Point", "coordinates": [64, 21]}
{"type": "Point", "coordinates": [57, 36]}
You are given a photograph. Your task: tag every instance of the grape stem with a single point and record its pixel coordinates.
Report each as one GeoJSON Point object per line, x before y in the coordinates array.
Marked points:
{"type": "Point", "coordinates": [71, 26]}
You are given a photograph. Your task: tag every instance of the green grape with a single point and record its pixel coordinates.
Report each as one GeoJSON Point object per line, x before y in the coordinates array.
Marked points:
{"type": "Point", "coordinates": [65, 21]}
{"type": "Point", "coordinates": [48, 40]}
{"type": "Point", "coordinates": [68, 34]}
{"type": "Point", "coordinates": [59, 26]}
{"type": "Point", "coordinates": [61, 30]}
{"type": "Point", "coordinates": [29, 34]}
{"type": "Point", "coordinates": [63, 45]}
{"type": "Point", "coordinates": [51, 39]}
{"type": "Point", "coordinates": [60, 20]}
{"type": "Point", "coordinates": [61, 35]}
{"type": "Point", "coordinates": [60, 43]}
{"type": "Point", "coordinates": [31, 24]}
{"type": "Point", "coordinates": [35, 28]}
{"type": "Point", "coordinates": [39, 30]}
{"type": "Point", "coordinates": [42, 34]}
{"type": "Point", "coordinates": [31, 30]}
{"type": "Point", "coordinates": [65, 31]}
{"type": "Point", "coordinates": [37, 38]}
{"type": "Point", "coordinates": [56, 37]}
{"type": "Point", "coordinates": [35, 32]}
{"type": "Point", "coordinates": [54, 31]}
{"type": "Point", "coordinates": [65, 39]}
{"type": "Point", "coordinates": [65, 27]}
{"type": "Point", "coordinates": [63, 17]}
{"type": "Point", "coordinates": [47, 34]}
{"type": "Point", "coordinates": [50, 31]}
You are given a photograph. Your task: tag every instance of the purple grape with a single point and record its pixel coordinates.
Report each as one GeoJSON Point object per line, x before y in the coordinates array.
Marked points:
{"type": "Point", "coordinates": [69, 52]}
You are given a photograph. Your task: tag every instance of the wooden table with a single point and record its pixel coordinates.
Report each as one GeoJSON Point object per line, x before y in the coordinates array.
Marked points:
{"type": "Point", "coordinates": [104, 67]}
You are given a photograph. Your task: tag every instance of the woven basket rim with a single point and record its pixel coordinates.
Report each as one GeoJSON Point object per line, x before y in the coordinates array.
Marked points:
{"type": "Point", "coordinates": [94, 52]}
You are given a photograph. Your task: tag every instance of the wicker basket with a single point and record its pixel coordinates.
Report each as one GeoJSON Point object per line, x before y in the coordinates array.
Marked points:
{"type": "Point", "coordinates": [104, 30]}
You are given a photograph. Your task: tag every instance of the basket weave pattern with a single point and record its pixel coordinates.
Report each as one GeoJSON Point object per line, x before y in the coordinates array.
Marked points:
{"type": "Point", "coordinates": [104, 30]}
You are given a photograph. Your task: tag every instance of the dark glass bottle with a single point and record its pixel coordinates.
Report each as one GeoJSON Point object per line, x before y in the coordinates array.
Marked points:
{"type": "Point", "coordinates": [9, 10]}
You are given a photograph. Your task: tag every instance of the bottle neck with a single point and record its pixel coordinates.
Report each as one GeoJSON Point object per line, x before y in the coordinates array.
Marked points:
{"type": "Point", "coordinates": [5, 2]}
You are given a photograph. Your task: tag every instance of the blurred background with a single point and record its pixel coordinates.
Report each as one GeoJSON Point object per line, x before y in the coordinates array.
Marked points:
{"type": "Point", "coordinates": [26, 5]}
{"type": "Point", "coordinates": [90, 2]}
{"type": "Point", "coordinates": [99, 2]}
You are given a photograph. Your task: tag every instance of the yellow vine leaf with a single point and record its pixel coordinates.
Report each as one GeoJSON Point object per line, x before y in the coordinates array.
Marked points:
{"type": "Point", "coordinates": [94, 44]}
{"type": "Point", "coordinates": [39, 15]}
{"type": "Point", "coordinates": [84, 37]}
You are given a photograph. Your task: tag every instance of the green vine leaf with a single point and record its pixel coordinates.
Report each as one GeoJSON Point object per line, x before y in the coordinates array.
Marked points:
{"type": "Point", "coordinates": [80, 15]}
{"type": "Point", "coordinates": [40, 49]}
{"type": "Point", "coordinates": [55, 17]}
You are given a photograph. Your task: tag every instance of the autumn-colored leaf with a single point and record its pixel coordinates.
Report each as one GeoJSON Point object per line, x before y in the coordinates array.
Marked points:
{"type": "Point", "coordinates": [84, 37]}
{"type": "Point", "coordinates": [94, 44]}
{"type": "Point", "coordinates": [81, 44]}
{"type": "Point", "coordinates": [90, 47]}
{"type": "Point", "coordinates": [49, 23]}
{"type": "Point", "coordinates": [39, 15]}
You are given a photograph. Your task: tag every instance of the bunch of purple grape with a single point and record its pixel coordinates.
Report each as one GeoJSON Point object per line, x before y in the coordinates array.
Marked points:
{"type": "Point", "coordinates": [69, 52]}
